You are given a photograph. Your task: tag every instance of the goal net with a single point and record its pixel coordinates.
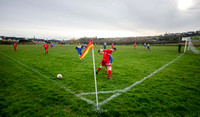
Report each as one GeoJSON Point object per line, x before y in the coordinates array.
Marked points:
{"type": "Point", "coordinates": [189, 45]}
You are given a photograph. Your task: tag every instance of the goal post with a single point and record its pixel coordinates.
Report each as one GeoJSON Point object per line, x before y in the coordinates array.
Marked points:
{"type": "Point", "coordinates": [189, 45]}
{"type": "Point", "coordinates": [186, 39]}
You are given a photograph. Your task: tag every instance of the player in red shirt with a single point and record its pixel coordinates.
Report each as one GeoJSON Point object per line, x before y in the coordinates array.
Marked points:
{"type": "Point", "coordinates": [46, 48]}
{"type": "Point", "coordinates": [60, 44]}
{"type": "Point", "coordinates": [112, 45]}
{"type": "Point", "coordinates": [105, 60]}
{"type": "Point", "coordinates": [15, 46]}
{"type": "Point", "coordinates": [134, 45]}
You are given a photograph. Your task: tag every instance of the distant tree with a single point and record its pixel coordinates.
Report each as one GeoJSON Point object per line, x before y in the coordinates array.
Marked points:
{"type": "Point", "coordinates": [73, 41]}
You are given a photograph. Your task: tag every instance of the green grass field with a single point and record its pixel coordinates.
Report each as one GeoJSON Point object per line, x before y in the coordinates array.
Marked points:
{"type": "Point", "coordinates": [29, 86]}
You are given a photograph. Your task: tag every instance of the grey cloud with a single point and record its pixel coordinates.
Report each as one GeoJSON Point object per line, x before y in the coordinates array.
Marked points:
{"type": "Point", "coordinates": [128, 15]}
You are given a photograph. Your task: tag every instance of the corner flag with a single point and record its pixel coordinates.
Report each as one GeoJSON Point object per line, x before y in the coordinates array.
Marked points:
{"type": "Point", "coordinates": [90, 45]}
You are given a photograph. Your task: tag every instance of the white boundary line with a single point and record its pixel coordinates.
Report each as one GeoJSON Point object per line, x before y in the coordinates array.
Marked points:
{"type": "Point", "coordinates": [90, 93]}
{"type": "Point", "coordinates": [59, 84]}
{"type": "Point", "coordinates": [138, 82]}
{"type": "Point", "coordinates": [108, 99]}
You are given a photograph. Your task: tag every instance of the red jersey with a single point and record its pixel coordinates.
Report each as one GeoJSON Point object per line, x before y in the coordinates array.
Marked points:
{"type": "Point", "coordinates": [45, 46]}
{"type": "Point", "coordinates": [134, 45]}
{"type": "Point", "coordinates": [107, 53]}
{"type": "Point", "coordinates": [14, 45]}
{"type": "Point", "coordinates": [112, 45]}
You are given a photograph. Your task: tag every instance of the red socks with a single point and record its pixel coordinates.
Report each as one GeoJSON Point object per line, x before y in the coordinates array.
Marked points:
{"type": "Point", "coordinates": [99, 69]}
{"type": "Point", "coordinates": [109, 73]}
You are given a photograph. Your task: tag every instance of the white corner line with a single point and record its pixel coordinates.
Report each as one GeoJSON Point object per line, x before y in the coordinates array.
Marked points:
{"type": "Point", "coordinates": [138, 82]}
{"type": "Point", "coordinates": [59, 84]}
{"type": "Point", "coordinates": [90, 93]}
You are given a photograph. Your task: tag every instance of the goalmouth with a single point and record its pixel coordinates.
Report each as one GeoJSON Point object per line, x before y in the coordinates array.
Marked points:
{"type": "Point", "coordinates": [189, 45]}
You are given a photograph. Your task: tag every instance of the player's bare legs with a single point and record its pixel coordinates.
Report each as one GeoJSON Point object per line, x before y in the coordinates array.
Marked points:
{"type": "Point", "coordinates": [109, 71]}
{"type": "Point", "coordinates": [99, 69]}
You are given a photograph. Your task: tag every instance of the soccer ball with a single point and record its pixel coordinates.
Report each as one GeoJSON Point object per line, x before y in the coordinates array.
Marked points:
{"type": "Point", "coordinates": [59, 76]}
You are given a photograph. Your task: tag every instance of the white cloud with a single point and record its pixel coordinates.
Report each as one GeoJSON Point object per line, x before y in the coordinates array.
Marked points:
{"type": "Point", "coordinates": [112, 18]}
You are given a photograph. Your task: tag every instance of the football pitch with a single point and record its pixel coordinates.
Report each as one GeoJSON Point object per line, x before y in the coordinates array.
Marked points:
{"type": "Point", "coordinates": [159, 82]}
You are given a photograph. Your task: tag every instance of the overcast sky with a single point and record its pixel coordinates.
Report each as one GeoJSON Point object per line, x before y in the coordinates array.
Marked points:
{"type": "Point", "coordinates": [102, 18]}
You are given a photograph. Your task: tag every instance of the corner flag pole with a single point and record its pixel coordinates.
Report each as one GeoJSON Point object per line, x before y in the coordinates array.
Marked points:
{"type": "Point", "coordinates": [95, 76]}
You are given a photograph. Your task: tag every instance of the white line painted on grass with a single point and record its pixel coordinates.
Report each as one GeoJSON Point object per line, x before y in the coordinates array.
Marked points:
{"type": "Point", "coordinates": [90, 93]}
{"type": "Point", "coordinates": [59, 84]}
{"type": "Point", "coordinates": [138, 82]}
{"type": "Point", "coordinates": [89, 101]}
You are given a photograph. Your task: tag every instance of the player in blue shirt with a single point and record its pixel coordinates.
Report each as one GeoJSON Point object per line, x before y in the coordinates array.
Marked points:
{"type": "Point", "coordinates": [104, 45]}
{"type": "Point", "coordinates": [111, 59]}
{"type": "Point", "coordinates": [145, 46]}
{"type": "Point", "coordinates": [79, 49]}
{"type": "Point", "coordinates": [148, 47]}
